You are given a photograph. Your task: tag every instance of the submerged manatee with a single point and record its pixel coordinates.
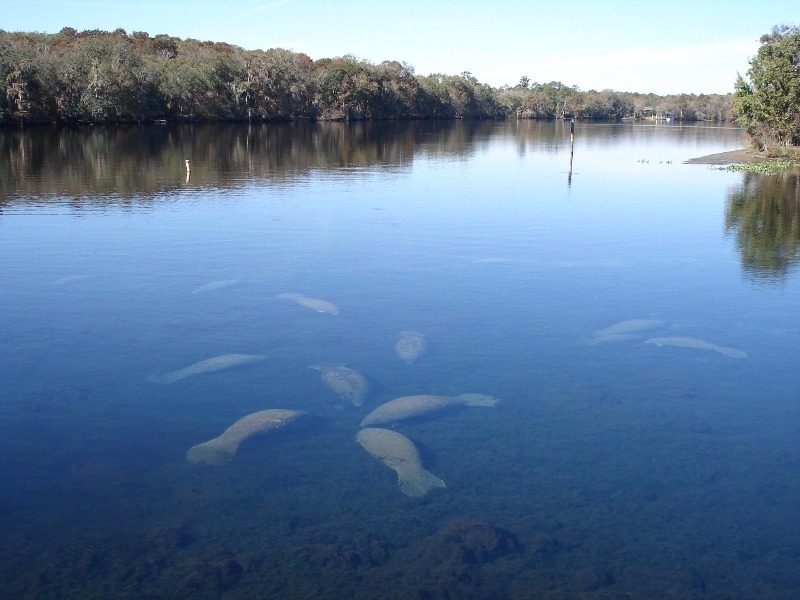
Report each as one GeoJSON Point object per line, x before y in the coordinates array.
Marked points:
{"type": "Point", "coordinates": [70, 279]}
{"type": "Point", "coordinates": [686, 342]}
{"type": "Point", "coordinates": [215, 285]}
{"type": "Point", "coordinates": [621, 332]}
{"type": "Point", "coordinates": [347, 383]}
{"type": "Point", "coordinates": [221, 449]}
{"type": "Point", "coordinates": [316, 304]}
{"type": "Point", "coordinates": [408, 407]}
{"type": "Point", "coordinates": [400, 454]}
{"type": "Point", "coordinates": [216, 363]}
{"type": "Point", "coordinates": [410, 346]}
{"type": "Point", "coordinates": [631, 326]}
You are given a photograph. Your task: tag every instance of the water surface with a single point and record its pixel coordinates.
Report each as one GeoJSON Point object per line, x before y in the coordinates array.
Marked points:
{"type": "Point", "coordinates": [610, 468]}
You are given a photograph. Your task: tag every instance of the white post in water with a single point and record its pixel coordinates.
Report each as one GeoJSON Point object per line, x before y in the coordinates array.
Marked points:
{"type": "Point", "coordinates": [571, 149]}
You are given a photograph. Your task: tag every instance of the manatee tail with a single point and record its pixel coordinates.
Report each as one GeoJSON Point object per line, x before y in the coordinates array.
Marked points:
{"type": "Point", "coordinates": [289, 296]}
{"type": "Point", "coordinates": [479, 399]}
{"type": "Point", "coordinates": [166, 377]}
{"type": "Point", "coordinates": [732, 352]}
{"type": "Point", "coordinates": [418, 482]}
{"type": "Point", "coordinates": [213, 452]}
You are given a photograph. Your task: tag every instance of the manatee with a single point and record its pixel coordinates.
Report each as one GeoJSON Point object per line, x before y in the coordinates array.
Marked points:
{"type": "Point", "coordinates": [686, 342]}
{"type": "Point", "coordinates": [408, 407]}
{"type": "Point", "coordinates": [216, 363]}
{"type": "Point", "coordinates": [70, 279]}
{"type": "Point", "coordinates": [399, 453]}
{"type": "Point", "coordinates": [316, 304]}
{"type": "Point", "coordinates": [215, 285]}
{"type": "Point", "coordinates": [347, 383]}
{"type": "Point", "coordinates": [631, 326]}
{"type": "Point", "coordinates": [621, 332]}
{"type": "Point", "coordinates": [595, 339]}
{"type": "Point", "coordinates": [220, 450]}
{"type": "Point", "coordinates": [411, 346]}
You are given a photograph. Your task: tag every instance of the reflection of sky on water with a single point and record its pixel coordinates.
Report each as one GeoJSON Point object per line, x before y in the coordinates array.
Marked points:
{"type": "Point", "coordinates": [597, 456]}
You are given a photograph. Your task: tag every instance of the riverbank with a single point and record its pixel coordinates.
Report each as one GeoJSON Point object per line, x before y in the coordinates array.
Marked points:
{"type": "Point", "coordinates": [732, 157]}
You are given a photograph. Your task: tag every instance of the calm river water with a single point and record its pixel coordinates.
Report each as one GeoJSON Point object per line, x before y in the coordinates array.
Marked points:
{"type": "Point", "coordinates": [636, 317]}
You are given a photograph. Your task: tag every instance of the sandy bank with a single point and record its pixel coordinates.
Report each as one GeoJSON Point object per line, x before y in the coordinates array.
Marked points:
{"type": "Point", "coordinates": [734, 157]}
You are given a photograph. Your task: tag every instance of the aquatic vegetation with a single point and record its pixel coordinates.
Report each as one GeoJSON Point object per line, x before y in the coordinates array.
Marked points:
{"type": "Point", "coordinates": [767, 167]}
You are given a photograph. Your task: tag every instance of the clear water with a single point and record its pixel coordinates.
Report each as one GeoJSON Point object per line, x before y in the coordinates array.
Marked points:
{"type": "Point", "coordinates": [610, 470]}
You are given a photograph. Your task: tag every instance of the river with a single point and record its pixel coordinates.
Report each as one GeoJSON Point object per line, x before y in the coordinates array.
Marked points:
{"type": "Point", "coordinates": [635, 318]}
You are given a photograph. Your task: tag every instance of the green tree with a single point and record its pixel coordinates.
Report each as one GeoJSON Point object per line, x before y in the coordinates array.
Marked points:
{"type": "Point", "coordinates": [100, 76]}
{"type": "Point", "coordinates": [768, 104]}
{"type": "Point", "coordinates": [349, 89]}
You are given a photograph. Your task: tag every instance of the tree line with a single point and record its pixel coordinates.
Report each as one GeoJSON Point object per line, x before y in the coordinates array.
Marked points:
{"type": "Point", "coordinates": [768, 101]}
{"type": "Point", "coordinates": [114, 77]}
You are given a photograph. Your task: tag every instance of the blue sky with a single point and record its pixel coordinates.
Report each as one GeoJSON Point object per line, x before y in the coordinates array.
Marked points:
{"type": "Point", "coordinates": [665, 47]}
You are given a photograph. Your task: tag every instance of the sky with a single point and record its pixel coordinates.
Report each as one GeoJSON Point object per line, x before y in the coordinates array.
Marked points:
{"type": "Point", "coordinates": [682, 46]}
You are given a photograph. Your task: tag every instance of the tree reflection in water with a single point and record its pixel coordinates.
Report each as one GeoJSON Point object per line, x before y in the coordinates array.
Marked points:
{"type": "Point", "coordinates": [764, 216]}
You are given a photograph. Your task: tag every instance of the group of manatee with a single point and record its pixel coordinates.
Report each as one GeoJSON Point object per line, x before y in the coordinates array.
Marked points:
{"type": "Point", "coordinates": [390, 447]}
{"type": "Point", "coordinates": [632, 330]}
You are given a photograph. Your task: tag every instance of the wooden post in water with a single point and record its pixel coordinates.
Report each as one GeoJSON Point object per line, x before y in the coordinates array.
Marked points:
{"type": "Point", "coordinates": [571, 149]}
{"type": "Point", "coordinates": [188, 170]}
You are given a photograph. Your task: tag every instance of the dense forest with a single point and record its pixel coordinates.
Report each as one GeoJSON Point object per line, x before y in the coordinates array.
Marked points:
{"type": "Point", "coordinates": [115, 77]}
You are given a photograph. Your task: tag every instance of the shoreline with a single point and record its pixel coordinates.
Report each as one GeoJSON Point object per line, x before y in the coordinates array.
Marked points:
{"type": "Point", "coordinates": [732, 157]}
